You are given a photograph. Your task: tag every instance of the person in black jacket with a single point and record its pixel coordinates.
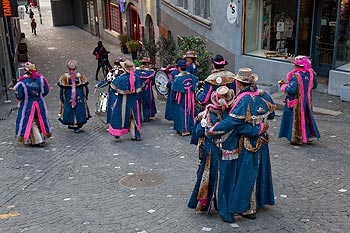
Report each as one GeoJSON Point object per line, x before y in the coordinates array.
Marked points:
{"type": "Point", "coordinates": [102, 57]}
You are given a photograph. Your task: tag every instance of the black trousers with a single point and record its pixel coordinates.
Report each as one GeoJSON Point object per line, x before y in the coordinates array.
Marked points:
{"type": "Point", "coordinates": [100, 63]}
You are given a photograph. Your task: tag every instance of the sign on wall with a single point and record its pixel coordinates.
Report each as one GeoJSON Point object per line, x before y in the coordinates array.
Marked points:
{"type": "Point", "coordinates": [8, 8]}
{"type": "Point", "coordinates": [232, 13]}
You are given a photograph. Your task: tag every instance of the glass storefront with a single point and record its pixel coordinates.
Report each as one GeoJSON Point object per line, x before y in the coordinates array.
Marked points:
{"type": "Point", "coordinates": [343, 43]}
{"type": "Point", "coordinates": [286, 28]}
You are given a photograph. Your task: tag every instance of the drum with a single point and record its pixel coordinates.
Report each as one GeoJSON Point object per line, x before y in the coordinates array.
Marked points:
{"type": "Point", "coordinates": [102, 103]}
{"type": "Point", "coordinates": [161, 80]}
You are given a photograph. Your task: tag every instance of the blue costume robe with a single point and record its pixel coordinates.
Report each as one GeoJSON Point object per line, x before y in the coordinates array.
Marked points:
{"type": "Point", "coordinates": [207, 174]}
{"type": "Point", "coordinates": [112, 95]}
{"type": "Point", "coordinates": [170, 101]}
{"type": "Point", "coordinates": [76, 116]}
{"type": "Point", "coordinates": [127, 106]}
{"type": "Point", "coordinates": [298, 124]}
{"type": "Point", "coordinates": [148, 104]}
{"type": "Point", "coordinates": [245, 171]}
{"type": "Point", "coordinates": [192, 68]}
{"type": "Point", "coordinates": [183, 88]}
{"type": "Point", "coordinates": [31, 92]}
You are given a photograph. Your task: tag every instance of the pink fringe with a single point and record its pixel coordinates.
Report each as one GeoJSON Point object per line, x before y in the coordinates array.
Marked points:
{"type": "Point", "coordinates": [132, 80]}
{"type": "Point", "coordinates": [74, 90]}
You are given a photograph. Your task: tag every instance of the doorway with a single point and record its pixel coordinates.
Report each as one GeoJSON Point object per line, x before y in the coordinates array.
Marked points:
{"type": "Point", "coordinates": [134, 23]}
{"type": "Point", "coordinates": [325, 22]}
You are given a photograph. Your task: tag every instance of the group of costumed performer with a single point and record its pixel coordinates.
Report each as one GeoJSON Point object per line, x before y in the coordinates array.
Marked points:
{"type": "Point", "coordinates": [235, 172]}
{"type": "Point", "coordinates": [32, 125]}
{"type": "Point", "coordinates": [74, 94]}
{"type": "Point", "coordinates": [146, 74]}
{"type": "Point", "coordinates": [126, 116]}
{"type": "Point", "coordinates": [298, 124]}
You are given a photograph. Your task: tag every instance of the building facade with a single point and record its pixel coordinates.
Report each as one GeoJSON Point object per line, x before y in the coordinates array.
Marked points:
{"type": "Point", "coordinates": [10, 37]}
{"type": "Point", "coordinates": [265, 35]}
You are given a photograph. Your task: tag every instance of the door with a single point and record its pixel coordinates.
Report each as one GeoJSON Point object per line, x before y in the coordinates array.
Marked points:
{"type": "Point", "coordinates": [134, 23]}
{"type": "Point", "coordinates": [325, 19]}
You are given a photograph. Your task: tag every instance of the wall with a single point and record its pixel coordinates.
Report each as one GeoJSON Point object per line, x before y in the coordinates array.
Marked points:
{"type": "Point", "coordinates": [62, 12]}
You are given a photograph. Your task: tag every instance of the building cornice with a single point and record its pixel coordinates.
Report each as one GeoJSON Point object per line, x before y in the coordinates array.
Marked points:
{"type": "Point", "coordinates": [203, 22]}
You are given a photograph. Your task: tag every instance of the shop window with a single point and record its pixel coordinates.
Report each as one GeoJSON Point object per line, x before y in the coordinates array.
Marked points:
{"type": "Point", "coordinates": [270, 28]}
{"type": "Point", "coordinates": [202, 8]}
{"type": "Point", "coordinates": [343, 45]}
{"type": "Point", "coordinates": [183, 3]}
{"type": "Point", "coordinates": [113, 16]}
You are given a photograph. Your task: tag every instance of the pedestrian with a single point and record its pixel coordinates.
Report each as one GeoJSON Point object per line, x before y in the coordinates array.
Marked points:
{"type": "Point", "coordinates": [204, 192]}
{"type": "Point", "coordinates": [110, 95]}
{"type": "Point", "coordinates": [191, 63]}
{"type": "Point", "coordinates": [101, 55]}
{"type": "Point", "coordinates": [74, 93]}
{"type": "Point", "coordinates": [33, 25]}
{"type": "Point", "coordinates": [245, 181]}
{"type": "Point", "coordinates": [183, 87]}
{"type": "Point", "coordinates": [32, 125]}
{"type": "Point", "coordinates": [298, 124]}
{"type": "Point", "coordinates": [31, 14]}
{"type": "Point", "coordinates": [126, 116]}
{"type": "Point", "coordinates": [148, 105]}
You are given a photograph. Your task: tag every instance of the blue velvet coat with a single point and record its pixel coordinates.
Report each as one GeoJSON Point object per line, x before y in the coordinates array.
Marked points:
{"type": "Point", "coordinates": [31, 92]}
{"type": "Point", "coordinates": [80, 114]}
{"type": "Point", "coordinates": [183, 87]}
{"type": "Point", "coordinates": [246, 159]}
{"type": "Point", "coordinates": [148, 105]}
{"type": "Point", "coordinates": [127, 106]}
{"type": "Point", "coordinates": [298, 123]}
{"type": "Point", "coordinates": [170, 101]}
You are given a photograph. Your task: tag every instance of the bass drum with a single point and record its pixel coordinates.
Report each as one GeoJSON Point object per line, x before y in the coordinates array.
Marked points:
{"type": "Point", "coordinates": [102, 106]}
{"type": "Point", "coordinates": [161, 80]}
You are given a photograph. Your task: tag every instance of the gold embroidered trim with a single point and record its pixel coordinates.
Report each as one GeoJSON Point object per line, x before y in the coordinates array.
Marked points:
{"type": "Point", "coordinates": [249, 147]}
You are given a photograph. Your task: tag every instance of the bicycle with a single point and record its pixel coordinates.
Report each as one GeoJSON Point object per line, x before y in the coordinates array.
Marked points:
{"type": "Point", "coordinates": [105, 68]}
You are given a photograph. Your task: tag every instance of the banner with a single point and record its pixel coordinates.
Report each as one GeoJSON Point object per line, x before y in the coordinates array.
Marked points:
{"type": "Point", "coordinates": [8, 8]}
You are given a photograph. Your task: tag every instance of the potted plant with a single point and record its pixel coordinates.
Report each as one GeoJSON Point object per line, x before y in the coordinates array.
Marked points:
{"type": "Point", "coordinates": [123, 39]}
{"type": "Point", "coordinates": [133, 47]}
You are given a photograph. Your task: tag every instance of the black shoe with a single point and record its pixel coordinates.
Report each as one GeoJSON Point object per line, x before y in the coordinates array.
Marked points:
{"type": "Point", "coordinates": [116, 137]}
{"type": "Point", "coordinates": [77, 130]}
{"type": "Point", "coordinates": [249, 216]}
{"type": "Point", "coordinates": [136, 139]}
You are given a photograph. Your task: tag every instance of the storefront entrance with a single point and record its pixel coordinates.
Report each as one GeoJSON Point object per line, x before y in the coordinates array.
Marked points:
{"type": "Point", "coordinates": [325, 22]}
{"type": "Point", "coordinates": [134, 23]}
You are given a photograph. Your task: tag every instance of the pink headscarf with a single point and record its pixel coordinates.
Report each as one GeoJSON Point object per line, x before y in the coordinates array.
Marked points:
{"type": "Point", "coordinates": [74, 91]}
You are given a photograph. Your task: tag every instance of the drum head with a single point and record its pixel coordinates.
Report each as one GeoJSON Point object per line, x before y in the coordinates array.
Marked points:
{"type": "Point", "coordinates": [161, 80]}
{"type": "Point", "coordinates": [101, 106]}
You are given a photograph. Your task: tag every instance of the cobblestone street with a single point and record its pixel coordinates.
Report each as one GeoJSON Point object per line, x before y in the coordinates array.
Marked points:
{"type": "Point", "coordinates": [79, 182]}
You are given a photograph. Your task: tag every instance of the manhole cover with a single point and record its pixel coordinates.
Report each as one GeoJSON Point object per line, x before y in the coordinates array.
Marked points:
{"type": "Point", "coordinates": [141, 180]}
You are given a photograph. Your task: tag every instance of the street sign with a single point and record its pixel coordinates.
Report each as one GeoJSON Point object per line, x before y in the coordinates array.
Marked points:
{"type": "Point", "coordinates": [8, 8]}
{"type": "Point", "coordinates": [232, 12]}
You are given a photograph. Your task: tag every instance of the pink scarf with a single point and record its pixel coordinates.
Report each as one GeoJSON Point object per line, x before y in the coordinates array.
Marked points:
{"type": "Point", "coordinates": [132, 80]}
{"type": "Point", "coordinates": [74, 91]}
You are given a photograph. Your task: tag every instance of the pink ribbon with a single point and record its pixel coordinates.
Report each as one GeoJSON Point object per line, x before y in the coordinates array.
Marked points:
{"type": "Point", "coordinates": [74, 90]}
{"type": "Point", "coordinates": [132, 80]}
{"type": "Point", "coordinates": [220, 63]}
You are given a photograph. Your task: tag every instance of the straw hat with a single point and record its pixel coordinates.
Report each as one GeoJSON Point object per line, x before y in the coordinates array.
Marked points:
{"type": "Point", "coordinates": [246, 75]}
{"type": "Point", "coordinates": [191, 54]}
{"type": "Point", "coordinates": [29, 67]}
{"type": "Point", "coordinates": [127, 65]}
{"type": "Point", "coordinates": [222, 96]}
{"type": "Point", "coordinates": [72, 64]}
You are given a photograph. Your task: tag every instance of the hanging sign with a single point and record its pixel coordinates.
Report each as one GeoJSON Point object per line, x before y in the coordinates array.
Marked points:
{"type": "Point", "coordinates": [8, 8]}
{"type": "Point", "coordinates": [232, 12]}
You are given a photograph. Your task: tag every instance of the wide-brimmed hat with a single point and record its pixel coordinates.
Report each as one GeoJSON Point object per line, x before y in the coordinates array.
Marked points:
{"type": "Point", "coordinates": [302, 61]}
{"type": "Point", "coordinates": [223, 96]}
{"type": "Point", "coordinates": [219, 60]}
{"type": "Point", "coordinates": [246, 75]}
{"type": "Point", "coordinates": [191, 54]}
{"type": "Point", "coordinates": [72, 64]}
{"type": "Point", "coordinates": [127, 65]}
{"type": "Point", "coordinates": [146, 60]}
{"type": "Point", "coordinates": [181, 63]}
{"type": "Point", "coordinates": [29, 67]}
